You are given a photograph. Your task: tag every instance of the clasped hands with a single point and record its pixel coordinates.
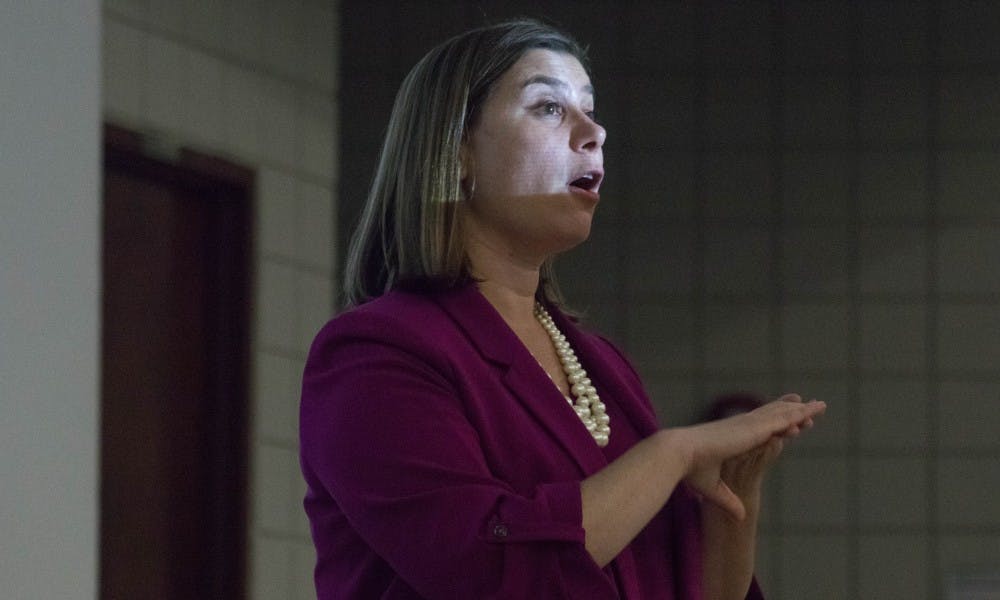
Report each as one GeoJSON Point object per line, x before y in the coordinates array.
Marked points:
{"type": "Point", "coordinates": [726, 459]}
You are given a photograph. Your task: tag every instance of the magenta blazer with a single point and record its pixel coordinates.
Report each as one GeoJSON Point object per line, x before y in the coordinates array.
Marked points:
{"type": "Point", "coordinates": [441, 462]}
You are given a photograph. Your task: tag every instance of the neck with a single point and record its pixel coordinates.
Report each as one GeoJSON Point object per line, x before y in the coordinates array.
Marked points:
{"type": "Point", "coordinates": [506, 281]}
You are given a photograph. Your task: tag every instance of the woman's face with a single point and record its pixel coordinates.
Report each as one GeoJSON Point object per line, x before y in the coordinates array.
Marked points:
{"type": "Point", "coordinates": [534, 156]}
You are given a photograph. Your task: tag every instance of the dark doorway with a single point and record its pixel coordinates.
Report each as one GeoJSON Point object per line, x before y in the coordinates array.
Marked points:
{"type": "Point", "coordinates": [176, 308]}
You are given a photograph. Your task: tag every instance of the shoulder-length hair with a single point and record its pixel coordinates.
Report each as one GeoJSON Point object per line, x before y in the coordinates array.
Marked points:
{"type": "Point", "coordinates": [409, 234]}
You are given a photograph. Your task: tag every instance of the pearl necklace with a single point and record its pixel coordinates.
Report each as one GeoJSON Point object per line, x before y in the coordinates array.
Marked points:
{"type": "Point", "coordinates": [588, 405]}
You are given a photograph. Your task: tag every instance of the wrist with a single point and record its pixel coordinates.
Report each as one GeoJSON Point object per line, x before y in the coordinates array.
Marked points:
{"type": "Point", "coordinates": [675, 443]}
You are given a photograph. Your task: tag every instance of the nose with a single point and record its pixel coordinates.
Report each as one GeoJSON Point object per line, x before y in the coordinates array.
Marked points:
{"type": "Point", "coordinates": [587, 135]}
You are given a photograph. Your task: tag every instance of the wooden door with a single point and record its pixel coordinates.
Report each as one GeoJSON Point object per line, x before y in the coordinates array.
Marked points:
{"type": "Point", "coordinates": [176, 295]}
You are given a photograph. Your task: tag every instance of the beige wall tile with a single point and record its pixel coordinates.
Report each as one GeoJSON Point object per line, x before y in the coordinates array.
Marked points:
{"type": "Point", "coordinates": [968, 259]}
{"type": "Point", "coordinates": [815, 34]}
{"type": "Point", "coordinates": [274, 469]}
{"type": "Point", "coordinates": [660, 259]}
{"type": "Point", "coordinates": [661, 183]}
{"type": "Point", "coordinates": [244, 31]}
{"type": "Point", "coordinates": [968, 107]}
{"type": "Point", "coordinates": [893, 109]}
{"type": "Point", "coordinates": [315, 240]}
{"type": "Point", "coordinates": [892, 185]}
{"type": "Point", "coordinates": [814, 336]}
{"type": "Point", "coordinates": [661, 338]}
{"type": "Point", "coordinates": [738, 260]}
{"type": "Point", "coordinates": [124, 62]}
{"type": "Point", "coordinates": [674, 400]}
{"type": "Point", "coordinates": [276, 224]}
{"type": "Point", "coordinates": [814, 567]}
{"type": "Point", "coordinates": [969, 337]}
{"type": "Point", "coordinates": [893, 567]}
{"type": "Point", "coordinates": [166, 84]}
{"type": "Point", "coordinates": [656, 122]}
{"type": "Point", "coordinates": [737, 338]}
{"type": "Point", "coordinates": [269, 569]}
{"type": "Point", "coordinates": [816, 110]}
{"type": "Point", "coordinates": [893, 415]}
{"type": "Point", "coordinates": [205, 22]}
{"type": "Point", "coordinates": [279, 122]}
{"type": "Point", "coordinates": [204, 107]}
{"type": "Point", "coordinates": [316, 136]}
{"type": "Point", "coordinates": [244, 112]}
{"type": "Point", "coordinates": [321, 36]}
{"type": "Point", "coordinates": [816, 183]}
{"type": "Point", "coordinates": [314, 306]}
{"type": "Point", "coordinates": [969, 415]}
{"type": "Point", "coordinates": [276, 303]}
{"type": "Point", "coordinates": [893, 492]}
{"type": "Point", "coordinates": [277, 384]}
{"type": "Point", "coordinates": [893, 35]}
{"type": "Point", "coordinates": [969, 181]}
{"type": "Point", "coordinates": [814, 260]}
{"type": "Point", "coordinates": [968, 553]}
{"type": "Point", "coordinates": [303, 563]}
{"type": "Point", "coordinates": [967, 492]}
{"type": "Point", "coordinates": [893, 337]}
{"type": "Point", "coordinates": [814, 491]}
{"type": "Point", "coordinates": [893, 260]}
{"type": "Point", "coordinates": [738, 184]}
{"type": "Point", "coordinates": [738, 110]}
{"type": "Point", "coordinates": [283, 39]}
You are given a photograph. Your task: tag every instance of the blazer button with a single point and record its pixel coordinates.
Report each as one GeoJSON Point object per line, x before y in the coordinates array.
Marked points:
{"type": "Point", "coordinates": [500, 531]}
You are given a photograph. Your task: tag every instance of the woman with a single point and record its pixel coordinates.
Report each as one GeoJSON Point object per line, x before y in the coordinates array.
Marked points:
{"type": "Point", "coordinates": [461, 437]}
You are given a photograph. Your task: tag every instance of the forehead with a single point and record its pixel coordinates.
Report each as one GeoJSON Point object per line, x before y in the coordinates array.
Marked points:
{"type": "Point", "coordinates": [547, 64]}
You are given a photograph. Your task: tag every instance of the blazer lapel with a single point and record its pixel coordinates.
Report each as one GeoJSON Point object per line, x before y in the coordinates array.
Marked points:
{"type": "Point", "coordinates": [522, 374]}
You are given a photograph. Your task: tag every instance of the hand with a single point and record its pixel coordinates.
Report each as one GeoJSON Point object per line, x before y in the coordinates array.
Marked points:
{"type": "Point", "coordinates": [736, 451]}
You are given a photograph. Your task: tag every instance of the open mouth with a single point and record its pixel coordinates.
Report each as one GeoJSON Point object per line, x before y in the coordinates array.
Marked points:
{"type": "Point", "coordinates": [588, 181]}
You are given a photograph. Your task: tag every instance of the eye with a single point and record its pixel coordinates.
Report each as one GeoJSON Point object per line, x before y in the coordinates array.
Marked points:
{"type": "Point", "coordinates": [551, 109]}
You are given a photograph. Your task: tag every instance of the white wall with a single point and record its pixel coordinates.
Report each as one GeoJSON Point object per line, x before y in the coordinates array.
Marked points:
{"type": "Point", "coordinates": [49, 298]}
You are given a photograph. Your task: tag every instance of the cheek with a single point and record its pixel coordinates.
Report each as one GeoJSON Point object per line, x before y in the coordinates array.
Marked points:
{"type": "Point", "coordinates": [538, 166]}
{"type": "Point", "coordinates": [508, 163]}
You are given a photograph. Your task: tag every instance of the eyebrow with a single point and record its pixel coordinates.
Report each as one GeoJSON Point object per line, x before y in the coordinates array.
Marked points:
{"type": "Point", "coordinates": [554, 82]}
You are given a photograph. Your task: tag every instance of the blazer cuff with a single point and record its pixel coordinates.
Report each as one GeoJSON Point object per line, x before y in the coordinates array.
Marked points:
{"type": "Point", "coordinates": [554, 513]}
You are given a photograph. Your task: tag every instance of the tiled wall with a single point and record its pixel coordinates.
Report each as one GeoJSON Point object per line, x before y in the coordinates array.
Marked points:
{"type": "Point", "coordinates": [800, 196]}
{"type": "Point", "coordinates": [253, 81]}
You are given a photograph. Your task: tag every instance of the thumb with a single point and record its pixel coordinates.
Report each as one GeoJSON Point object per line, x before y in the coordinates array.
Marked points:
{"type": "Point", "coordinates": [724, 498]}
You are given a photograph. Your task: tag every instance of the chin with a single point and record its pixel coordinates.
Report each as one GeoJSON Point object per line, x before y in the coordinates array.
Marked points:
{"type": "Point", "coordinates": [571, 237]}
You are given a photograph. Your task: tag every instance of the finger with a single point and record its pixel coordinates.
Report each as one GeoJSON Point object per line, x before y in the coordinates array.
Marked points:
{"type": "Point", "coordinates": [772, 450]}
{"type": "Point", "coordinates": [790, 398]}
{"type": "Point", "coordinates": [801, 413]}
{"type": "Point", "coordinates": [784, 418]}
{"type": "Point", "coordinates": [791, 432]}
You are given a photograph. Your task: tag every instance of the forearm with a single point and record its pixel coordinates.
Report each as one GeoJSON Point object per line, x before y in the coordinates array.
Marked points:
{"type": "Point", "coordinates": [622, 498]}
{"type": "Point", "coordinates": [728, 547]}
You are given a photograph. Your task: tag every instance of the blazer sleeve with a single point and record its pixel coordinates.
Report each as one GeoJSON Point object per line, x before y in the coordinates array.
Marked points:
{"type": "Point", "coordinates": [384, 432]}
